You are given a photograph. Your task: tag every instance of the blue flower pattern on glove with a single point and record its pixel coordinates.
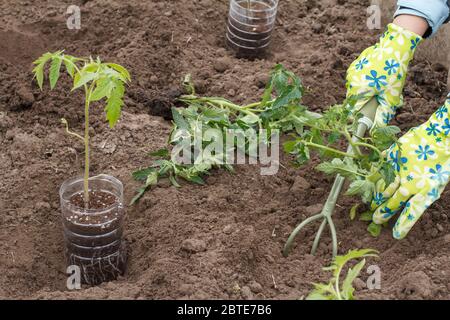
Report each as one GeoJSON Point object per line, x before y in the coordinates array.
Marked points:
{"type": "Point", "coordinates": [396, 160]}
{"type": "Point", "coordinates": [391, 66]}
{"type": "Point", "coordinates": [375, 80]}
{"type": "Point", "coordinates": [439, 173]}
{"type": "Point", "coordinates": [424, 152]}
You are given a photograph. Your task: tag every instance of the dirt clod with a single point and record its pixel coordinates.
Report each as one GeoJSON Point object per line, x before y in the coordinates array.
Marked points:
{"type": "Point", "coordinates": [222, 64]}
{"type": "Point", "coordinates": [193, 245]}
{"type": "Point", "coordinates": [416, 285]}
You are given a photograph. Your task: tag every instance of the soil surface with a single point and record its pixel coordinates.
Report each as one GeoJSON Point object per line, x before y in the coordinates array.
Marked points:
{"type": "Point", "coordinates": [222, 240]}
{"type": "Point", "coordinates": [97, 200]}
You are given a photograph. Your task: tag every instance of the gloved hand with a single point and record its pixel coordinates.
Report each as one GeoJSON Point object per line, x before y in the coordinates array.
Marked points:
{"type": "Point", "coordinates": [421, 160]}
{"type": "Point", "coordinates": [380, 72]}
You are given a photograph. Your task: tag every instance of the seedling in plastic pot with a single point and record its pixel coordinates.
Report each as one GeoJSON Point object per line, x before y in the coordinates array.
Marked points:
{"type": "Point", "coordinates": [100, 82]}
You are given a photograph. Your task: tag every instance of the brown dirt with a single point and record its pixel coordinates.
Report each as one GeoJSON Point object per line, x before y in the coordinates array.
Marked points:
{"type": "Point", "coordinates": [223, 240]}
{"type": "Point", "coordinates": [97, 200]}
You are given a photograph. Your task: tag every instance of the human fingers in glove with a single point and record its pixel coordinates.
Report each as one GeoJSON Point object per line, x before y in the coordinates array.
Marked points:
{"type": "Point", "coordinates": [421, 160]}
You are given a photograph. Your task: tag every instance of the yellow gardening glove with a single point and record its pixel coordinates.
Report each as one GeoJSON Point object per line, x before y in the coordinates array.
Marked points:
{"type": "Point", "coordinates": [421, 160]}
{"type": "Point", "coordinates": [380, 72]}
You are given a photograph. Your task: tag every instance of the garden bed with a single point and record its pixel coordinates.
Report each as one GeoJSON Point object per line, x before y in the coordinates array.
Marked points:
{"type": "Point", "coordinates": [222, 240]}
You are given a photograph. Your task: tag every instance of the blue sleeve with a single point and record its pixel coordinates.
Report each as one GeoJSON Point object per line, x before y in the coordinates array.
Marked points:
{"type": "Point", "coordinates": [436, 12]}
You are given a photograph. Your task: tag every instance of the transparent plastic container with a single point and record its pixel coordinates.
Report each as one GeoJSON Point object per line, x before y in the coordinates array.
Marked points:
{"type": "Point", "coordinates": [93, 237]}
{"type": "Point", "coordinates": [250, 26]}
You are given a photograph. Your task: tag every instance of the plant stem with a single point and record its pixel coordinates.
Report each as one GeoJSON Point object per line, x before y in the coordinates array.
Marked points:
{"type": "Point", "coordinates": [351, 142]}
{"type": "Point", "coordinates": [338, 293]}
{"type": "Point", "coordinates": [319, 146]}
{"type": "Point", "coordinates": [88, 91]}
{"type": "Point", "coordinates": [86, 150]}
{"type": "Point", "coordinates": [369, 146]}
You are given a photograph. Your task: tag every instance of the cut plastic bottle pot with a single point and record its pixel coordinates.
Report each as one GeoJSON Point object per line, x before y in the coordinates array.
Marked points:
{"type": "Point", "coordinates": [93, 237]}
{"type": "Point", "coordinates": [250, 26]}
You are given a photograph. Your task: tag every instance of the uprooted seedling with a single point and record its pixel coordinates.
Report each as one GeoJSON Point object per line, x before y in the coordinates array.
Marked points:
{"type": "Point", "coordinates": [336, 288]}
{"type": "Point", "coordinates": [100, 81]}
{"type": "Point", "coordinates": [278, 110]}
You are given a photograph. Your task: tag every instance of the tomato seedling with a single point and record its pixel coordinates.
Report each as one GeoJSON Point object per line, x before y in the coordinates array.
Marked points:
{"type": "Point", "coordinates": [334, 290]}
{"type": "Point", "coordinates": [99, 80]}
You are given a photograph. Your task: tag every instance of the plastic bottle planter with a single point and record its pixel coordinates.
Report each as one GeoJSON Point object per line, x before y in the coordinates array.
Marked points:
{"type": "Point", "coordinates": [250, 26]}
{"type": "Point", "coordinates": [93, 237]}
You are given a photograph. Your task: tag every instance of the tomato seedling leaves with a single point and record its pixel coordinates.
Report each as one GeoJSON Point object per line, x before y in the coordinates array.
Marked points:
{"type": "Point", "coordinates": [333, 290]}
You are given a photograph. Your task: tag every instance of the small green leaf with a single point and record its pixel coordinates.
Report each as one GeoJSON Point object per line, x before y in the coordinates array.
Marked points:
{"type": "Point", "coordinates": [83, 78]}
{"type": "Point", "coordinates": [374, 229]}
{"type": "Point", "coordinates": [196, 180]}
{"type": "Point", "coordinates": [55, 67]}
{"type": "Point", "coordinates": [346, 168]}
{"type": "Point", "coordinates": [141, 175]}
{"type": "Point", "coordinates": [363, 188]}
{"type": "Point", "coordinates": [115, 102]}
{"type": "Point", "coordinates": [39, 74]}
{"type": "Point", "coordinates": [366, 216]}
{"type": "Point", "coordinates": [122, 70]}
{"type": "Point", "coordinates": [39, 69]}
{"type": "Point", "coordinates": [250, 119]}
{"type": "Point", "coordinates": [388, 172]}
{"type": "Point", "coordinates": [179, 120]}
{"type": "Point", "coordinates": [152, 179]}
{"type": "Point", "coordinates": [353, 211]}
{"type": "Point", "coordinates": [102, 89]}
{"type": "Point", "coordinates": [352, 274]}
{"type": "Point", "coordinates": [69, 62]}
{"type": "Point", "coordinates": [289, 146]}
{"type": "Point", "coordinates": [333, 137]}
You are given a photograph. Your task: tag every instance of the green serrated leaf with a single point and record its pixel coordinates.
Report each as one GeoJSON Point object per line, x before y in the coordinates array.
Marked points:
{"type": "Point", "coordinates": [114, 104]}
{"type": "Point", "coordinates": [346, 168]}
{"type": "Point", "coordinates": [122, 70]}
{"type": "Point", "coordinates": [102, 89]}
{"type": "Point", "coordinates": [179, 120]}
{"type": "Point", "coordinates": [81, 79]}
{"type": "Point", "coordinates": [374, 229]}
{"type": "Point", "coordinates": [39, 69]}
{"type": "Point", "coordinates": [55, 67]}
{"type": "Point", "coordinates": [69, 62]}
{"type": "Point", "coordinates": [331, 290]}
{"type": "Point", "coordinates": [363, 188]}
{"type": "Point", "coordinates": [352, 274]}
